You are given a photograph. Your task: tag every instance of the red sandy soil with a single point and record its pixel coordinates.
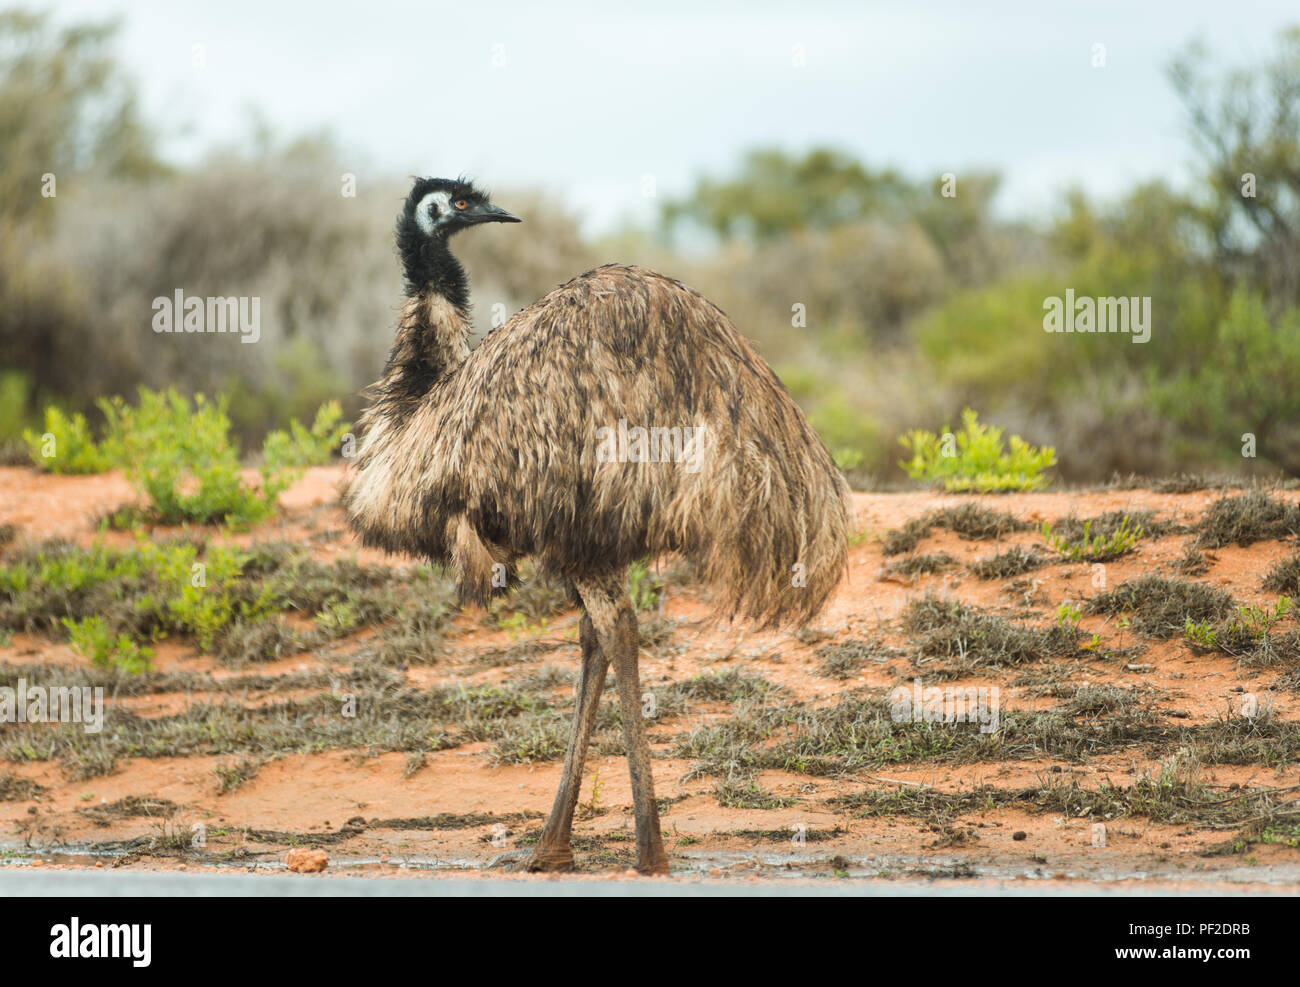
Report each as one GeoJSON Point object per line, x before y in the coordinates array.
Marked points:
{"type": "Point", "coordinates": [317, 793]}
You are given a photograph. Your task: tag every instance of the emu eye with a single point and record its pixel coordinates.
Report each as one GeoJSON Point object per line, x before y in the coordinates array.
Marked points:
{"type": "Point", "coordinates": [461, 203]}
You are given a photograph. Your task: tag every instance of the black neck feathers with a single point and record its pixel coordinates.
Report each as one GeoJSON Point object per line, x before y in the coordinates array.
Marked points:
{"type": "Point", "coordinates": [430, 267]}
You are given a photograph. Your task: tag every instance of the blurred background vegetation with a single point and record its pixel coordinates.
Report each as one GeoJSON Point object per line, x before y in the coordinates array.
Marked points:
{"type": "Point", "coordinates": [915, 304]}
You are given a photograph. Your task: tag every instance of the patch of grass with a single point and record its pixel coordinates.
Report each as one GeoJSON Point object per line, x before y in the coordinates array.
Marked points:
{"type": "Point", "coordinates": [1175, 793]}
{"type": "Point", "coordinates": [732, 686]}
{"type": "Point", "coordinates": [364, 709]}
{"type": "Point", "coordinates": [975, 458]}
{"type": "Point", "coordinates": [1162, 607]}
{"type": "Point", "coordinates": [416, 636]}
{"type": "Point", "coordinates": [657, 634]}
{"type": "Point", "coordinates": [1014, 562]}
{"type": "Point", "coordinates": [846, 658]}
{"type": "Point", "coordinates": [1099, 700]}
{"type": "Point", "coordinates": [1180, 483]}
{"type": "Point", "coordinates": [1246, 519]}
{"type": "Point", "coordinates": [914, 566]}
{"type": "Point", "coordinates": [16, 789]}
{"type": "Point", "coordinates": [264, 640]}
{"type": "Point", "coordinates": [1277, 650]}
{"type": "Point", "coordinates": [1079, 542]}
{"type": "Point", "coordinates": [130, 807]}
{"type": "Point", "coordinates": [527, 740]}
{"type": "Point", "coordinates": [748, 794]}
{"type": "Point", "coordinates": [948, 628]}
{"type": "Point", "coordinates": [859, 732]}
{"type": "Point", "coordinates": [227, 599]}
{"type": "Point", "coordinates": [1243, 633]}
{"type": "Point", "coordinates": [1192, 562]}
{"type": "Point", "coordinates": [536, 598]}
{"type": "Point", "coordinates": [974, 522]}
{"type": "Point", "coordinates": [906, 538]}
{"type": "Point", "coordinates": [232, 776]}
{"type": "Point", "coordinates": [1284, 577]}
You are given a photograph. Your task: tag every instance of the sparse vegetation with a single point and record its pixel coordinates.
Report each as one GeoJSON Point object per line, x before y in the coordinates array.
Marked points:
{"type": "Point", "coordinates": [1247, 518]}
{"type": "Point", "coordinates": [973, 522]}
{"type": "Point", "coordinates": [1161, 607]}
{"type": "Point", "coordinates": [1079, 543]}
{"type": "Point", "coordinates": [845, 659]}
{"type": "Point", "coordinates": [912, 566]}
{"type": "Point", "coordinates": [1013, 562]}
{"type": "Point", "coordinates": [948, 628]}
{"type": "Point", "coordinates": [1284, 577]}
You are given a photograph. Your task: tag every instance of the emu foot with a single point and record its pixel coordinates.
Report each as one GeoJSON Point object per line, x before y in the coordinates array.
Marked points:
{"type": "Point", "coordinates": [655, 865]}
{"type": "Point", "coordinates": [549, 859]}
{"type": "Point", "coordinates": [539, 859]}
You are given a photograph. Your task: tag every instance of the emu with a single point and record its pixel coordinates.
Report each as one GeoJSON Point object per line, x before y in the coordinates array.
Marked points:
{"type": "Point", "coordinates": [475, 459]}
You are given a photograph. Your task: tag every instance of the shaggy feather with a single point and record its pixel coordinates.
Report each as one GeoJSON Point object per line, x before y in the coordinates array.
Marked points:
{"type": "Point", "coordinates": [475, 459]}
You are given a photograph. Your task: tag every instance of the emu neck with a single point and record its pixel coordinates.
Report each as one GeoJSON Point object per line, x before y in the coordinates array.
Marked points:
{"type": "Point", "coordinates": [433, 331]}
{"type": "Point", "coordinates": [432, 341]}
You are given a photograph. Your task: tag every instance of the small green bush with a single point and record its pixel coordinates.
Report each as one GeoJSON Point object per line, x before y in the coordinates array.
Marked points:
{"type": "Point", "coordinates": [66, 445]}
{"type": "Point", "coordinates": [975, 459]}
{"type": "Point", "coordinates": [90, 639]}
{"type": "Point", "coordinates": [179, 455]}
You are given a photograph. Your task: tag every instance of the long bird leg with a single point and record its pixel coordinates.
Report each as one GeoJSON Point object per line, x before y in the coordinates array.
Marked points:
{"type": "Point", "coordinates": [553, 850]}
{"type": "Point", "coordinates": [615, 620]}
{"type": "Point", "coordinates": [650, 855]}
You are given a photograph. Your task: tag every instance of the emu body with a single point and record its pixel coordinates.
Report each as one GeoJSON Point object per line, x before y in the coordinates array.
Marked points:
{"type": "Point", "coordinates": [477, 458]}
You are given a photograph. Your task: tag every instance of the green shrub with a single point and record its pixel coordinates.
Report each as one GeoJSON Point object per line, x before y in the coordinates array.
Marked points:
{"type": "Point", "coordinates": [66, 445]}
{"type": "Point", "coordinates": [182, 460]}
{"type": "Point", "coordinates": [15, 389]}
{"type": "Point", "coordinates": [975, 459]}
{"type": "Point", "coordinates": [1248, 376]}
{"type": "Point", "coordinates": [90, 639]}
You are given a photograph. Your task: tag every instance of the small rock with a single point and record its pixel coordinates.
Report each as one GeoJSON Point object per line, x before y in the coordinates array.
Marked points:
{"type": "Point", "coordinates": [307, 861]}
{"type": "Point", "coordinates": [1020, 834]}
{"type": "Point", "coordinates": [38, 862]}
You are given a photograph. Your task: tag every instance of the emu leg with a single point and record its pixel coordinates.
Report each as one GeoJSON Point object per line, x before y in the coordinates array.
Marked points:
{"type": "Point", "coordinates": [650, 855]}
{"type": "Point", "coordinates": [553, 851]}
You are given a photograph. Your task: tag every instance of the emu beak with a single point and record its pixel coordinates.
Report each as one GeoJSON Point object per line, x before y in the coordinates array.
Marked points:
{"type": "Point", "coordinates": [488, 213]}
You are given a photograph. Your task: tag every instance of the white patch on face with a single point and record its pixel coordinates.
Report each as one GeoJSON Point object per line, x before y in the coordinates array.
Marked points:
{"type": "Point", "coordinates": [422, 212]}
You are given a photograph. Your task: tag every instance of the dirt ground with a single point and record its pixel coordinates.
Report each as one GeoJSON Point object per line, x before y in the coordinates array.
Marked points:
{"type": "Point", "coordinates": [380, 813]}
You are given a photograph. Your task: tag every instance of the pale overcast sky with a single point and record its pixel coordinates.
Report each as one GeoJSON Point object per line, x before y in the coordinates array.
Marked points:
{"type": "Point", "coordinates": [587, 98]}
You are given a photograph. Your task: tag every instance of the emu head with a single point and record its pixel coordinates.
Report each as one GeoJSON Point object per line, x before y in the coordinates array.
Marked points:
{"type": "Point", "coordinates": [439, 207]}
{"type": "Point", "coordinates": [435, 209]}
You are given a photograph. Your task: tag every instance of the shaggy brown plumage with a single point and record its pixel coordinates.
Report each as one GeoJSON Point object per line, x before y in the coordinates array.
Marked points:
{"type": "Point", "coordinates": [529, 445]}
{"type": "Point", "coordinates": [500, 457]}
